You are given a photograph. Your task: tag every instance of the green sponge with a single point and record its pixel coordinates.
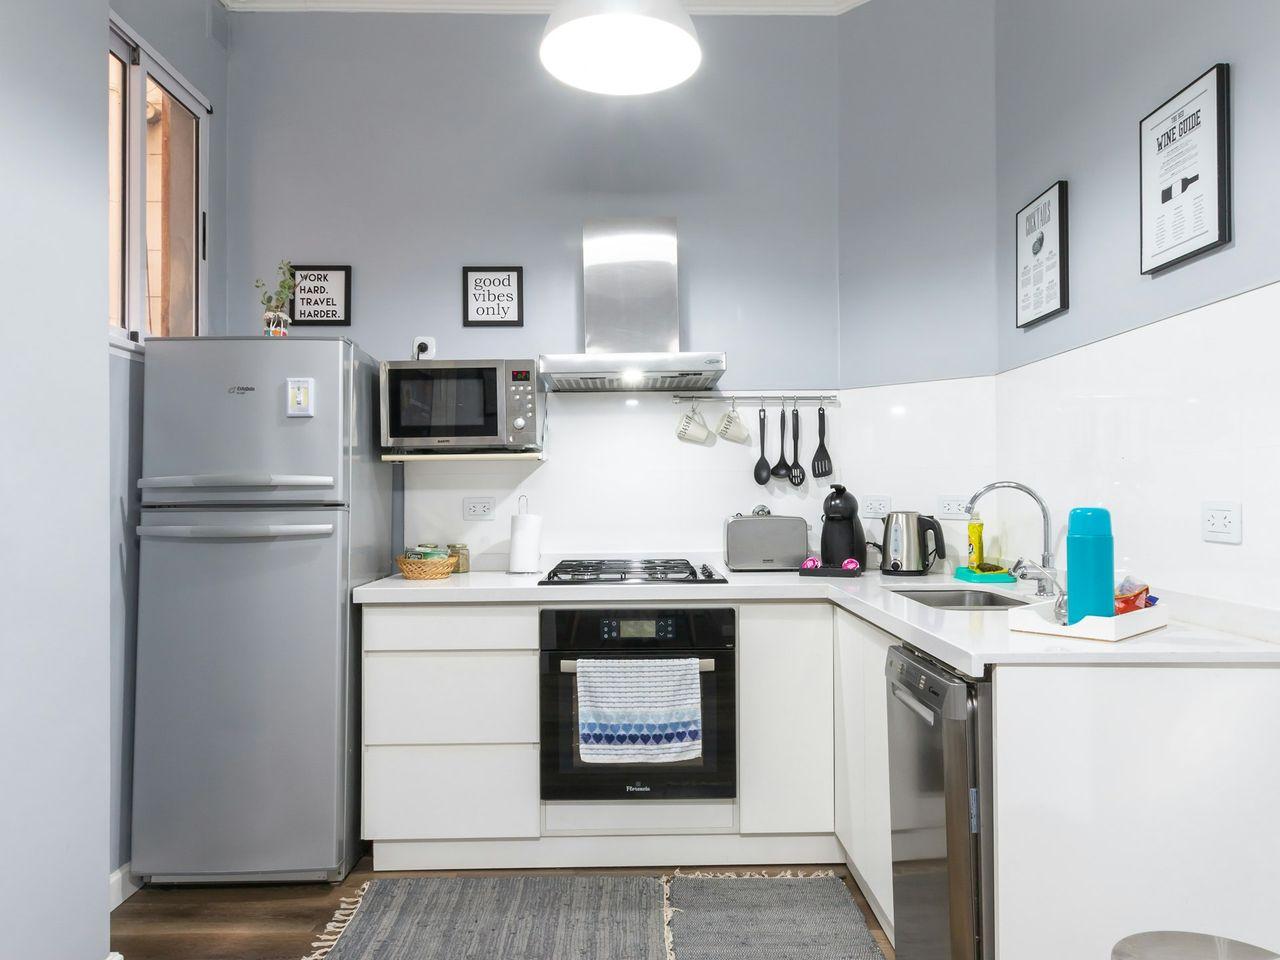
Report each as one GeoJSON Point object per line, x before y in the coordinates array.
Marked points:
{"type": "Point", "coordinates": [995, 576]}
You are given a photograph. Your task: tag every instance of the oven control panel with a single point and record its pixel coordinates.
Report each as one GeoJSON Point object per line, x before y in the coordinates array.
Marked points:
{"type": "Point", "coordinates": [638, 628]}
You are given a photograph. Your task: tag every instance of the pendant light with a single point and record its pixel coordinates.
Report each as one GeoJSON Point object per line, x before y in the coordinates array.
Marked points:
{"type": "Point", "coordinates": [620, 47]}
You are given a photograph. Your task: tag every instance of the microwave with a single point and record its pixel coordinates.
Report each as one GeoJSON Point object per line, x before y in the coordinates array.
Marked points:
{"type": "Point", "coordinates": [461, 405]}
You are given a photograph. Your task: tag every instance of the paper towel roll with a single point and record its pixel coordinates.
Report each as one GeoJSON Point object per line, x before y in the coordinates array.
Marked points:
{"type": "Point", "coordinates": [526, 539]}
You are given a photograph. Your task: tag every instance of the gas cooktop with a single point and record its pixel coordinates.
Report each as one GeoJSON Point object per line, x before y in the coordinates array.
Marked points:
{"type": "Point", "coordinates": [630, 571]}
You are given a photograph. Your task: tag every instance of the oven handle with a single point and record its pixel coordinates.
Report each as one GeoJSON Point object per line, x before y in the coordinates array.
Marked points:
{"type": "Point", "coordinates": [571, 666]}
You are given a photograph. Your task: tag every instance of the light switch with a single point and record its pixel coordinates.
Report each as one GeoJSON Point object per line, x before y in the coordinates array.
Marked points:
{"type": "Point", "coordinates": [302, 395]}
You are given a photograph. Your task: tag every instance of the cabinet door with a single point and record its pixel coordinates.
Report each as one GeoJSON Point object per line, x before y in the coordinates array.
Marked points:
{"type": "Point", "coordinates": [414, 696]}
{"type": "Point", "coordinates": [862, 755]}
{"type": "Point", "coordinates": [785, 718]}
{"type": "Point", "coordinates": [850, 734]}
{"type": "Point", "coordinates": [875, 838]}
{"type": "Point", "coordinates": [458, 792]}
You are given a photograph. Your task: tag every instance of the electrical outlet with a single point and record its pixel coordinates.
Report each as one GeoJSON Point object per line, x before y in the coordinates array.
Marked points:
{"type": "Point", "coordinates": [1220, 522]}
{"type": "Point", "coordinates": [951, 507]}
{"type": "Point", "coordinates": [478, 508]}
{"type": "Point", "coordinates": [875, 506]}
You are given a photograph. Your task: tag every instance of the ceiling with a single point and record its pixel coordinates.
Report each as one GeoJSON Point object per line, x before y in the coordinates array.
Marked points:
{"type": "Point", "coordinates": [740, 7]}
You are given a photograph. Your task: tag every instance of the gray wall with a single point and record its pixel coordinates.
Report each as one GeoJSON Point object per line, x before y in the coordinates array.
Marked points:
{"type": "Point", "coordinates": [410, 145]}
{"type": "Point", "coordinates": [917, 191]}
{"type": "Point", "coordinates": [125, 400]}
{"type": "Point", "coordinates": [193, 36]}
{"type": "Point", "coordinates": [53, 681]}
{"type": "Point", "coordinates": [1073, 79]}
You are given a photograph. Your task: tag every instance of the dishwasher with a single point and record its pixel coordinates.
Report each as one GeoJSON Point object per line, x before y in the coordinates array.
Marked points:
{"type": "Point", "coordinates": [940, 774]}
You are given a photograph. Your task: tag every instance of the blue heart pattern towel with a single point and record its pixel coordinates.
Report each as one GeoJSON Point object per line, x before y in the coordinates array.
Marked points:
{"type": "Point", "coordinates": [639, 711]}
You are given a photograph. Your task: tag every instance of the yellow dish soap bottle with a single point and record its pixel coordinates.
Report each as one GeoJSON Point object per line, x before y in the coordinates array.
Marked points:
{"type": "Point", "coordinates": [975, 542]}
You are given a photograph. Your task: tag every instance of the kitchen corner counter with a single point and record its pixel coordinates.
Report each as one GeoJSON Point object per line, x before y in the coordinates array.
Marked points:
{"type": "Point", "coordinates": [969, 641]}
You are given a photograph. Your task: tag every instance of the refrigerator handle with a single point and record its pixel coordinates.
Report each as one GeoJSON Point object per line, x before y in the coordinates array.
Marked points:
{"type": "Point", "coordinates": [236, 480]}
{"type": "Point", "coordinates": [238, 531]}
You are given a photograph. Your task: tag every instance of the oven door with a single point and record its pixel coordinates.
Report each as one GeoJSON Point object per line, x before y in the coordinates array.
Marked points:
{"type": "Point", "coordinates": [565, 776]}
{"type": "Point", "coordinates": [443, 403]}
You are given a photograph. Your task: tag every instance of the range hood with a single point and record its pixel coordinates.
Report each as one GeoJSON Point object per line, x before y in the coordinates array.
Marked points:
{"type": "Point", "coordinates": [630, 316]}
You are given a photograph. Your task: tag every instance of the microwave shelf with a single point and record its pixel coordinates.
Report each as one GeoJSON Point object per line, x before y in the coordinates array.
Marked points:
{"type": "Point", "coordinates": [530, 455]}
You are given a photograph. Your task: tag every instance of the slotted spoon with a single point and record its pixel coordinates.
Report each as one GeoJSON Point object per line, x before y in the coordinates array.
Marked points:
{"type": "Point", "coordinates": [797, 471]}
{"type": "Point", "coordinates": [821, 458]}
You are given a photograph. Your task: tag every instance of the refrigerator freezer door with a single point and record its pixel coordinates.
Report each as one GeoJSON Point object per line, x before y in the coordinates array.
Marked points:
{"type": "Point", "coordinates": [219, 427]}
{"type": "Point", "coordinates": [242, 657]}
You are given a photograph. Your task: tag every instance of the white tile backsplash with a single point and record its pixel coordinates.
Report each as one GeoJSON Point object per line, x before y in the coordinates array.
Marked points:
{"type": "Point", "coordinates": [1149, 423]}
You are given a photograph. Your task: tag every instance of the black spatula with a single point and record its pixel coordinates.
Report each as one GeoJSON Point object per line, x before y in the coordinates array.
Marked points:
{"type": "Point", "coordinates": [821, 458]}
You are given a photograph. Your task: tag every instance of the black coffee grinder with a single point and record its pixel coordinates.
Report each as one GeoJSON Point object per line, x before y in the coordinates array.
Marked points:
{"type": "Point", "coordinates": [842, 535]}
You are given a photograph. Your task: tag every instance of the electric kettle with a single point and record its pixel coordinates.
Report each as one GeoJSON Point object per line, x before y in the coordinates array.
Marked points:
{"type": "Point", "coordinates": [904, 551]}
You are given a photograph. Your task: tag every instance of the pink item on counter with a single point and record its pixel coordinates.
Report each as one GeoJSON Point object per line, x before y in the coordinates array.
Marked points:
{"type": "Point", "coordinates": [850, 564]}
{"type": "Point", "coordinates": [812, 563]}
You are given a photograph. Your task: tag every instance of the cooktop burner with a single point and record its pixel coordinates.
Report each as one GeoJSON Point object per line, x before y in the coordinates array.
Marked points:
{"type": "Point", "coordinates": [631, 571]}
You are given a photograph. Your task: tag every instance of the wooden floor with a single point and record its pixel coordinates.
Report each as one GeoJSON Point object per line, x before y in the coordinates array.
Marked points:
{"type": "Point", "coordinates": [279, 922]}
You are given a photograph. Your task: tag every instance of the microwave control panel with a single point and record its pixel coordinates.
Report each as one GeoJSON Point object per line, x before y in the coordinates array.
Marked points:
{"type": "Point", "coordinates": [522, 403]}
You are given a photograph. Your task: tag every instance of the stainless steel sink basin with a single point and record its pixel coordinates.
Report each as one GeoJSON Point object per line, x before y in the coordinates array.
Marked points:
{"type": "Point", "coordinates": [962, 599]}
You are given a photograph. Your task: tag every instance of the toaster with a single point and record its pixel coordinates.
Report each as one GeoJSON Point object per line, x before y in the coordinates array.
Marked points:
{"type": "Point", "coordinates": [765, 542]}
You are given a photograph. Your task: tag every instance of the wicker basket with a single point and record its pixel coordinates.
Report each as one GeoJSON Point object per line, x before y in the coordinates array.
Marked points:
{"type": "Point", "coordinates": [426, 569]}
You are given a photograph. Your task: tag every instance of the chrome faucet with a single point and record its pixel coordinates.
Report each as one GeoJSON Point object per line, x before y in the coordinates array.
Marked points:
{"type": "Point", "coordinates": [1043, 588]}
{"type": "Point", "coordinates": [1046, 585]}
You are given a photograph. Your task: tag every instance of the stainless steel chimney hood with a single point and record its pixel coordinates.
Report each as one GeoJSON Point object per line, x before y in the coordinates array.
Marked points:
{"type": "Point", "coordinates": [630, 315]}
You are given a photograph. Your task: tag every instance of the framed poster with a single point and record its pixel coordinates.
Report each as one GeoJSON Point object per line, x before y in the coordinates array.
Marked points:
{"type": "Point", "coordinates": [1185, 172]}
{"type": "Point", "coordinates": [321, 296]}
{"type": "Point", "coordinates": [1043, 288]}
{"type": "Point", "coordinates": [493, 296]}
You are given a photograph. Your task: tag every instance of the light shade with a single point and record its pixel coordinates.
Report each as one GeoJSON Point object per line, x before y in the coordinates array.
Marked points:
{"type": "Point", "coordinates": [620, 47]}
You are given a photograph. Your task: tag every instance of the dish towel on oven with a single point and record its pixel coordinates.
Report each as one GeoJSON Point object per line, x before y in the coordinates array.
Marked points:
{"type": "Point", "coordinates": [639, 711]}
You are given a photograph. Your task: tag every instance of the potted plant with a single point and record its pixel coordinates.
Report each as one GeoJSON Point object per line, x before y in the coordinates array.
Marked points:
{"type": "Point", "coordinates": [275, 321]}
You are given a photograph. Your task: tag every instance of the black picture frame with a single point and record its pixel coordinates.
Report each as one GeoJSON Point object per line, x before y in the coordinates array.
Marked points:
{"type": "Point", "coordinates": [1064, 254]}
{"type": "Point", "coordinates": [1222, 72]}
{"type": "Point", "coordinates": [345, 320]}
{"type": "Point", "coordinates": [467, 321]}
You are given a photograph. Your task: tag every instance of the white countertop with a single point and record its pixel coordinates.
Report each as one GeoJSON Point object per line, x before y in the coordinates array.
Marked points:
{"type": "Point", "coordinates": [968, 641]}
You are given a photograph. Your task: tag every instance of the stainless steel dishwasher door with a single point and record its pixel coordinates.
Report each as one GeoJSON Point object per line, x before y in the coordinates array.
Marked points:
{"type": "Point", "coordinates": [935, 795]}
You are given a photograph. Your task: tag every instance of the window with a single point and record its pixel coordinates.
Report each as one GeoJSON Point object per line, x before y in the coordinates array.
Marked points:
{"type": "Point", "coordinates": [115, 190]}
{"type": "Point", "coordinates": [155, 174]}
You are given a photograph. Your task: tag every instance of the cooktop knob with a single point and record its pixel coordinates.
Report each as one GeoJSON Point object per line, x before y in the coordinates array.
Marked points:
{"type": "Point", "coordinates": [518, 423]}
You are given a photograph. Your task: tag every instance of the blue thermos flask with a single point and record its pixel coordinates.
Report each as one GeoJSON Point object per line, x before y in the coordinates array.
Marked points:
{"type": "Point", "coordinates": [1091, 564]}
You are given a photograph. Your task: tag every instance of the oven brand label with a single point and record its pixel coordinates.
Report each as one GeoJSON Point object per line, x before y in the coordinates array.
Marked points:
{"type": "Point", "coordinates": [638, 788]}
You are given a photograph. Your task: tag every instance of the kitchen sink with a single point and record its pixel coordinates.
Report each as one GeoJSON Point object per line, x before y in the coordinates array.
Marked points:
{"type": "Point", "coordinates": [962, 599]}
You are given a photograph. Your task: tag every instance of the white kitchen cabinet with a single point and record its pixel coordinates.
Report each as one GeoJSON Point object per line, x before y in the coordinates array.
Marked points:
{"type": "Point", "coordinates": [1131, 799]}
{"type": "Point", "coordinates": [862, 756]}
{"type": "Point", "coordinates": [450, 722]}
{"type": "Point", "coordinates": [455, 696]}
{"type": "Point", "coordinates": [470, 626]}
{"type": "Point", "coordinates": [785, 717]}
{"type": "Point", "coordinates": [455, 792]}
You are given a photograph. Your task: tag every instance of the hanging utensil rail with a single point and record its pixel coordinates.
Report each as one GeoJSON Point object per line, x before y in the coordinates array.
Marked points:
{"type": "Point", "coordinates": [786, 399]}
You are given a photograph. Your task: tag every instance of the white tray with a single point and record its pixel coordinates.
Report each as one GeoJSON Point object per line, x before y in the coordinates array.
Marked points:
{"type": "Point", "coordinates": [1038, 618]}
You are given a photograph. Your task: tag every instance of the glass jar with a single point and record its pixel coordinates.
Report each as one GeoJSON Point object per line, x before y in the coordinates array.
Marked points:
{"type": "Point", "coordinates": [463, 553]}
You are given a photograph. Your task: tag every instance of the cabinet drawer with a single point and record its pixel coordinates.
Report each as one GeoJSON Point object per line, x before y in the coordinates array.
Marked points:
{"type": "Point", "coordinates": [451, 697]}
{"type": "Point", "coordinates": [451, 792]}
{"type": "Point", "coordinates": [451, 627]}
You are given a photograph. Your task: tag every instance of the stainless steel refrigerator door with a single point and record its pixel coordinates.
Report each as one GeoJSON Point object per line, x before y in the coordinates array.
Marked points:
{"type": "Point", "coordinates": [242, 659]}
{"type": "Point", "coordinates": [218, 426]}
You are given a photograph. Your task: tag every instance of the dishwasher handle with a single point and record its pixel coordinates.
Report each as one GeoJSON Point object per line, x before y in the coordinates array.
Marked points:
{"type": "Point", "coordinates": [911, 703]}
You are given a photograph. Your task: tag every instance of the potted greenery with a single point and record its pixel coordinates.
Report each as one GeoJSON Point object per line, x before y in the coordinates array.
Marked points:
{"type": "Point", "coordinates": [275, 321]}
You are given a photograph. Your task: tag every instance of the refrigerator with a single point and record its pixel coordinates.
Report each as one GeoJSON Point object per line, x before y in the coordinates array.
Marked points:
{"type": "Point", "coordinates": [264, 504]}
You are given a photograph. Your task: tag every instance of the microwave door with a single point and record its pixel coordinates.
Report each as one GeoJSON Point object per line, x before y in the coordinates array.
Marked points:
{"type": "Point", "coordinates": [451, 406]}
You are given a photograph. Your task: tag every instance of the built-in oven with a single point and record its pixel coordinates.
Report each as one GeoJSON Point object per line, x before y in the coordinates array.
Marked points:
{"type": "Point", "coordinates": [570, 636]}
{"type": "Point", "coordinates": [461, 405]}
